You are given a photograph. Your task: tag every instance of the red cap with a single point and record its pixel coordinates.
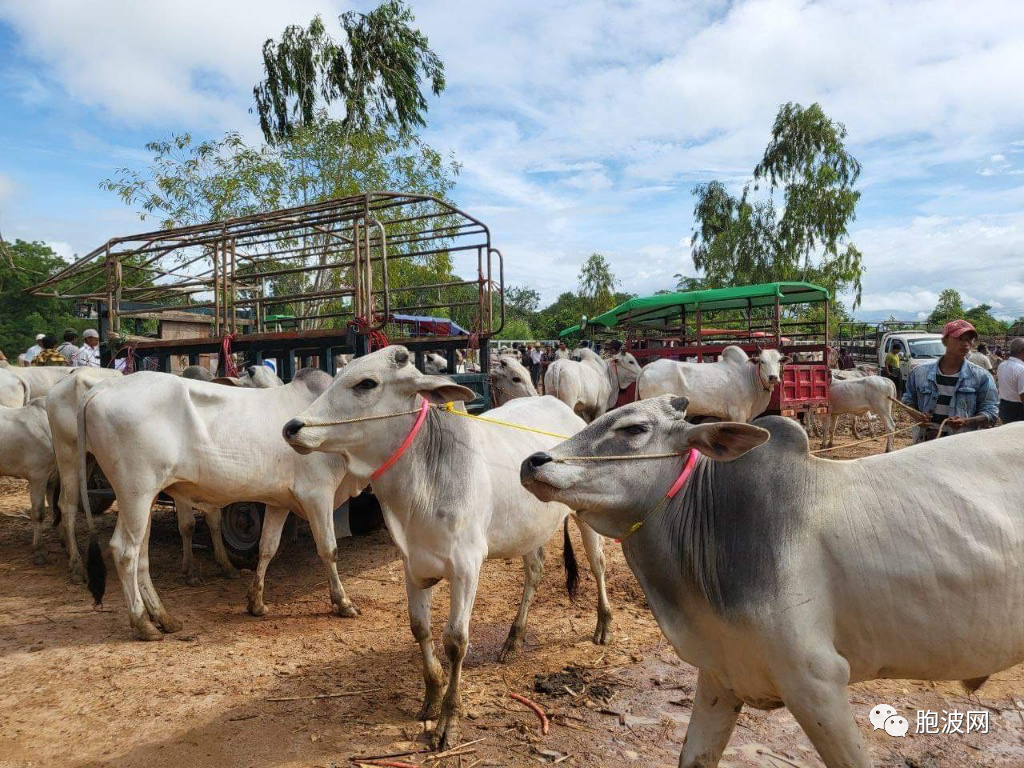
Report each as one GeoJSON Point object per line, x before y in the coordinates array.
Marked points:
{"type": "Point", "coordinates": [957, 328]}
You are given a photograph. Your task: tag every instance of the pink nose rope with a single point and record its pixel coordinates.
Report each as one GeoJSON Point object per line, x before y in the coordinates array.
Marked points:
{"type": "Point", "coordinates": [405, 445]}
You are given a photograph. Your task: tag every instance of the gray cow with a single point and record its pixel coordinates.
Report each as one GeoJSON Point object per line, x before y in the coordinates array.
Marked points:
{"type": "Point", "coordinates": [784, 577]}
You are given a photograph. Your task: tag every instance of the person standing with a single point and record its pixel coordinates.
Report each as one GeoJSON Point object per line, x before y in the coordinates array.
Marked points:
{"type": "Point", "coordinates": [1011, 383]}
{"type": "Point", "coordinates": [89, 355]}
{"type": "Point", "coordinates": [536, 356]}
{"type": "Point", "coordinates": [980, 357]}
{"type": "Point", "coordinates": [892, 367]}
{"type": "Point", "coordinates": [952, 393]}
{"type": "Point", "coordinates": [563, 351]}
{"type": "Point", "coordinates": [69, 348]}
{"type": "Point", "coordinates": [34, 350]}
{"type": "Point", "coordinates": [49, 354]}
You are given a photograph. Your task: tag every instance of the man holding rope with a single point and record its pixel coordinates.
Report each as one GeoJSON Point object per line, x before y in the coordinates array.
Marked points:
{"type": "Point", "coordinates": [952, 394]}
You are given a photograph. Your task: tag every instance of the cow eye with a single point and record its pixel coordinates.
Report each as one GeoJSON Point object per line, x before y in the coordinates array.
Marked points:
{"type": "Point", "coordinates": [517, 380]}
{"type": "Point", "coordinates": [634, 429]}
{"type": "Point", "coordinates": [366, 384]}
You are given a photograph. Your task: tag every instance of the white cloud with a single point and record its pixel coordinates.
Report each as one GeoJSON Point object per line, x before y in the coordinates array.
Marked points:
{"type": "Point", "coordinates": [6, 189]}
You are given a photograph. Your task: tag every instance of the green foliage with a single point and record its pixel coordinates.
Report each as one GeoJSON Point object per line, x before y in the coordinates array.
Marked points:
{"type": "Point", "coordinates": [23, 316]}
{"type": "Point", "coordinates": [742, 240]}
{"type": "Point", "coordinates": [376, 74]}
{"type": "Point", "coordinates": [597, 285]}
{"type": "Point", "coordinates": [949, 307]}
{"type": "Point", "coordinates": [516, 328]}
{"type": "Point", "coordinates": [981, 318]}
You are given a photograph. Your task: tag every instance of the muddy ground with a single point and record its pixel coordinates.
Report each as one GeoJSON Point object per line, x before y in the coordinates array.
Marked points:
{"type": "Point", "coordinates": [76, 690]}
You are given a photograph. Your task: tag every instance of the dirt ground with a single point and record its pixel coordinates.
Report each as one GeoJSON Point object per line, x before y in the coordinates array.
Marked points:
{"type": "Point", "coordinates": [76, 690]}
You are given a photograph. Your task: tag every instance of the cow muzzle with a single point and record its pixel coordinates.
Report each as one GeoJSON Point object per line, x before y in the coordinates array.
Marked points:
{"type": "Point", "coordinates": [291, 435]}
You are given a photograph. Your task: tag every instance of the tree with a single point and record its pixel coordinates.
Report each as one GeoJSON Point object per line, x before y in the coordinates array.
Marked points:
{"type": "Point", "coordinates": [597, 285]}
{"type": "Point", "coordinates": [23, 265]}
{"type": "Point", "coordinates": [949, 307]}
{"type": "Point", "coordinates": [376, 73]}
{"type": "Point", "coordinates": [747, 239]}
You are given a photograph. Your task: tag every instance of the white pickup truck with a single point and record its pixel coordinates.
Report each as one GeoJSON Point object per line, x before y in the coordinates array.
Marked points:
{"type": "Point", "coordinates": [914, 348]}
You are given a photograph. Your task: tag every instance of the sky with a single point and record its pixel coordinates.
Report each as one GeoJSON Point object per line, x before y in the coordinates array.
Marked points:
{"type": "Point", "coordinates": [582, 126]}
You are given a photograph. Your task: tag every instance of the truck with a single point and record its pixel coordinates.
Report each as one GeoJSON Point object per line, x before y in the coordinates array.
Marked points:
{"type": "Point", "coordinates": [913, 347]}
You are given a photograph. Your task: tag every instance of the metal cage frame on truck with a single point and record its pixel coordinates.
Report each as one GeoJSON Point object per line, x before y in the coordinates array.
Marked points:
{"type": "Point", "coordinates": [675, 326]}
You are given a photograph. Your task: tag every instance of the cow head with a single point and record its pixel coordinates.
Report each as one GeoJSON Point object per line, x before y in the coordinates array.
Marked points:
{"type": "Point", "coordinates": [434, 364]}
{"type": "Point", "coordinates": [373, 389]}
{"type": "Point", "coordinates": [612, 495]}
{"type": "Point", "coordinates": [625, 369]}
{"type": "Point", "coordinates": [769, 363]}
{"type": "Point", "coordinates": [509, 380]}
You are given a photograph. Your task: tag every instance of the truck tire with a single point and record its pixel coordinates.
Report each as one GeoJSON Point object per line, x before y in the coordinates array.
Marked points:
{"type": "Point", "coordinates": [240, 528]}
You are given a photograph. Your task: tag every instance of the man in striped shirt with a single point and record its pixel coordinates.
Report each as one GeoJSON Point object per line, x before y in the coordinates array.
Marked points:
{"type": "Point", "coordinates": [953, 393]}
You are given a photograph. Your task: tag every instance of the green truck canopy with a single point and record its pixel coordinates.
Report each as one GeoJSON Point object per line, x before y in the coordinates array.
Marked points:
{"type": "Point", "coordinates": [657, 310]}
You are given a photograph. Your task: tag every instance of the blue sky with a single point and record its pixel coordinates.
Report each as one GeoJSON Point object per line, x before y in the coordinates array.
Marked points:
{"type": "Point", "coordinates": [581, 126]}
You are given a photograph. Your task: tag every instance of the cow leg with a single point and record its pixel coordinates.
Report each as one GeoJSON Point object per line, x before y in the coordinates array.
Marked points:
{"type": "Point", "coordinates": [212, 516]}
{"type": "Point", "coordinates": [456, 641]}
{"type": "Point", "coordinates": [890, 427]}
{"type": "Point", "coordinates": [715, 709]}
{"type": "Point", "coordinates": [186, 527]}
{"type": "Point", "coordinates": [68, 503]}
{"type": "Point", "coordinates": [419, 622]}
{"type": "Point", "coordinates": [321, 523]}
{"type": "Point", "coordinates": [854, 429]}
{"type": "Point", "coordinates": [270, 539]}
{"type": "Point", "coordinates": [125, 545]}
{"type": "Point", "coordinates": [815, 691]}
{"type": "Point", "coordinates": [828, 427]}
{"type": "Point", "coordinates": [533, 568]}
{"type": "Point", "coordinates": [593, 545]}
{"type": "Point", "coordinates": [150, 599]}
{"type": "Point", "coordinates": [37, 495]}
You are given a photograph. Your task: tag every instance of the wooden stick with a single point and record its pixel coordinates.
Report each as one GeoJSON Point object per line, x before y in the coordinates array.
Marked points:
{"type": "Point", "coordinates": [365, 758]}
{"type": "Point", "coordinates": [906, 407]}
{"type": "Point", "coordinates": [389, 764]}
{"type": "Point", "coordinates": [339, 695]}
{"type": "Point", "coordinates": [544, 724]}
{"type": "Point", "coordinates": [455, 750]}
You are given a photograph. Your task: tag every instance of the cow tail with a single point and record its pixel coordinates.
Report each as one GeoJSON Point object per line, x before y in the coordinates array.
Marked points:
{"type": "Point", "coordinates": [95, 568]}
{"type": "Point", "coordinates": [572, 570]}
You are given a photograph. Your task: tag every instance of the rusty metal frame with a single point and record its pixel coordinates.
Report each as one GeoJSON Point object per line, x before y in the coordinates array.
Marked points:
{"type": "Point", "coordinates": [248, 268]}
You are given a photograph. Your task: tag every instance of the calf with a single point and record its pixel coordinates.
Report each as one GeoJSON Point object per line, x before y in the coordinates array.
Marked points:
{"type": "Point", "coordinates": [204, 443]}
{"type": "Point", "coordinates": [735, 388]}
{"type": "Point", "coordinates": [452, 501]}
{"type": "Point", "coordinates": [509, 380]}
{"type": "Point", "coordinates": [784, 577]}
{"type": "Point", "coordinates": [26, 451]}
{"type": "Point", "coordinates": [859, 396]}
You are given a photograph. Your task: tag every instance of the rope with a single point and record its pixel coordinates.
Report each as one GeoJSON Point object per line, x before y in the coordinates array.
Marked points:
{"type": "Point", "coordinates": [867, 440]}
{"type": "Point", "coordinates": [359, 418]}
{"type": "Point", "coordinates": [450, 408]}
{"type": "Point", "coordinates": [225, 351]}
{"type": "Point", "coordinates": [623, 457]}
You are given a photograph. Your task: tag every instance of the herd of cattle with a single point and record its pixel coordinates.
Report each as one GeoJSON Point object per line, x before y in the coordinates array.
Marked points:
{"type": "Point", "coordinates": [781, 576]}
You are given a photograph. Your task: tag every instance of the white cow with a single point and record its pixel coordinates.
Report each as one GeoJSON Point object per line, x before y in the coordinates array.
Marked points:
{"type": "Point", "coordinates": [736, 388]}
{"type": "Point", "coordinates": [784, 577]}
{"type": "Point", "coordinates": [434, 364]}
{"type": "Point", "coordinates": [865, 395]}
{"type": "Point", "coordinates": [40, 379]}
{"type": "Point", "coordinates": [589, 384]}
{"type": "Point", "coordinates": [452, 501]}
{"type": "Point", "coordinates": [509, 380]}
{"type": "Point", "coordinates": [202, 443]}
{"type": "Point", "coordinates": [14, 392]}
{"type": "Point", "coordinates": [26, 451]}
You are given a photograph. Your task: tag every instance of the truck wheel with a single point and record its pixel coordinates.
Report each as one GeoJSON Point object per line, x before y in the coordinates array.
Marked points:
{"type": "Point", "coordinates": [101, 495]}
{"type": "Point", "coordinates": [240, 527]}
{"type": "Point", "coordinates": [364, 514]}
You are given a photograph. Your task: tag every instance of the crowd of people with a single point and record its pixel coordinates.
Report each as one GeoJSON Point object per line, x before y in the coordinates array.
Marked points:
{"type": "Point", "coordinates": [46, 350]}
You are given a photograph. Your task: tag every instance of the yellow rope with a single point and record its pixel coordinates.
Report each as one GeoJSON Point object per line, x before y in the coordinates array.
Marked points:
{"type": "Point", "coordinates": [450, 408]}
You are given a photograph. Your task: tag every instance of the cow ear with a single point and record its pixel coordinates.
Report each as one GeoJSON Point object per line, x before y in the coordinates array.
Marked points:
{"type": "Point", "coordinates": [229, 381]}
{"type": "Point", "coordinates": [755, 359]}
{"type": "Point", "coordinates": [438, 389]}
{"type": "Point", "coordinates": [725, 440]}
{"type": "Point", "coordinates": [784, 360]}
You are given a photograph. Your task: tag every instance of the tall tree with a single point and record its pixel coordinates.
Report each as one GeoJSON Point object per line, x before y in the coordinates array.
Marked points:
{"type": "Point", "coordinates": [949, 307]}
{"type": "Point", "coordinates": [376, 73]}
{"type": "Point", "coordinates": [596, 285]}
{"type": "Point", "coordinates": [749, 239]}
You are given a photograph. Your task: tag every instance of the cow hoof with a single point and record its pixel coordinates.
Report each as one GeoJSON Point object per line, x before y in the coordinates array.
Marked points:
{"type": "Point", "coordinates": [231, 573]}
{"type": "Point", "coordinates": [603, 634]}
{"type": "Point", "coordinates": [78, 575]}
{"type": "Point", "coordinates": [39, 558]}
{"type": "Point", "coordinates": [148, 632]}
{"type": "Point", "coordinates": [430, 710]}
{"type": "Point", "coordinates": [511, 649]}
{"type": "Point", "coordinates": [446, 733]}
{"type": "Point", "coordinates": [170, 625]}
{"type": "Point", "coordinates": [193, 581]}
{"type": "Point", "coordinates": [348, 610]}
{"type": "Point", "coordinates": [257, 610]}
